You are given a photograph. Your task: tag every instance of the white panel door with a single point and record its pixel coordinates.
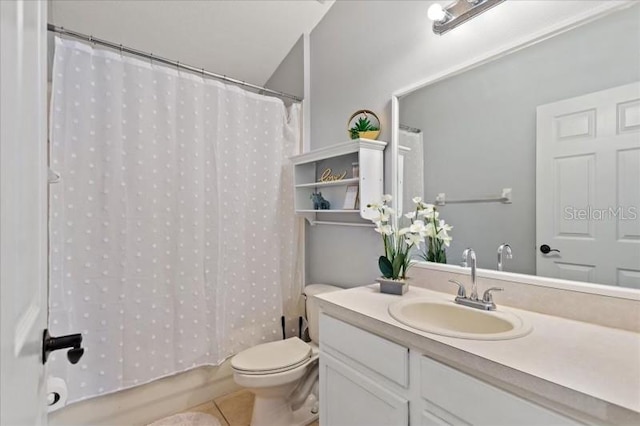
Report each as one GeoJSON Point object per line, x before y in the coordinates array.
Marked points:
{"type": "Point", "coordinates": [23, 210]}
{"type": "Point", "coordinates": [588, 187]}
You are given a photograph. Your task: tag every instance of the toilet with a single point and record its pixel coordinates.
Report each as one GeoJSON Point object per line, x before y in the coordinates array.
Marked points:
{"type": "Point", "coordinates": [283, 375]}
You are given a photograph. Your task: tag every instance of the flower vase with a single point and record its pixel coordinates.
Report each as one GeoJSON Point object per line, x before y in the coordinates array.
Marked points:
{"type": "Point", "coordinates": [391, 286]}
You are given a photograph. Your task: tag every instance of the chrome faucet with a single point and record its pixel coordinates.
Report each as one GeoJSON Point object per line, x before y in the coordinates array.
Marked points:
{"type": "Point", "coordinates": [472, 301]}
{"type": "Point", "coordinates": [467, 254]}
{"type": "Point", "coordinates": [508, 254]}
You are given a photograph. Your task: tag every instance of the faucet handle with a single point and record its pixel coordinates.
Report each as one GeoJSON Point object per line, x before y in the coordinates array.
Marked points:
{"type": "Point", "coordinates": [487, 297]}
{"type": "Point", "coordinates": [462, 292]}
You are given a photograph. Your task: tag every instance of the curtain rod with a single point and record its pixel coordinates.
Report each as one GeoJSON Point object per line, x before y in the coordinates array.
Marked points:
{"type": "Point", "coordinates": [177, 64]}
{"type": "Point", "coordinates": [409, 128]}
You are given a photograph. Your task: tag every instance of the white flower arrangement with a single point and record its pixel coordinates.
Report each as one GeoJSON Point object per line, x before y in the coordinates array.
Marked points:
{"type": "Point", "coordinates": [436, 233]}
{"type": "Point", "coordinates": [425, 227]}
{"type": "Point", "coordinates": [424, 224]}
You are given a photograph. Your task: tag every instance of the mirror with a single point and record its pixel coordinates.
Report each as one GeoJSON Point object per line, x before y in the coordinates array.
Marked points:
{"type": "Point", "coordinates": [538, 149]}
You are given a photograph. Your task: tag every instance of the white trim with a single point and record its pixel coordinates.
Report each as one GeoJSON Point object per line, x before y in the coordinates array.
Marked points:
{"type": "Point", "coordinates": [395, 155]}
{"type": "Point", "coordinates": [327, 211]}
{"type": "Point", "coordinates": [510, 47]}
{"type": "Point", "coordinates": [341, 148]}
{"type": "Point", "coordinates": [306, 142]}
{"type": "Point", "coordinates": [329, 183]}
{"type": "Point", "coordinates": [578, 286]}
{"type": "Point", "coordinates": [306, 100]}
{"type": "Point", "coordinates": [25, 325]}
{"type": "Point", "coordinates": [357, 225]}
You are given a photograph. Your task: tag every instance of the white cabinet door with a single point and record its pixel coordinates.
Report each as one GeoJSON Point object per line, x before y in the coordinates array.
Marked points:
{"type": "Point", "coordinates": [23, 210]}
{"type": "Point", "coordinates": [463, 399]}
{"type": "Point", "coordinates": [349, 398]}
{"type": "Point", "coordinates": [430, 419]}
{"type": "Point", "coordinates": [588, 187]}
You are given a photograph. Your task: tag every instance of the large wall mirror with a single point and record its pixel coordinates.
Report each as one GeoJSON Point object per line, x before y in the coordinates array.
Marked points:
{"type": "Point", "coordinates": [538, 149]}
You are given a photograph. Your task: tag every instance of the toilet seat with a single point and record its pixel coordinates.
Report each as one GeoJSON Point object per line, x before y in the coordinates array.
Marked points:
{"type": "Point", "coordinates": [272, 357]}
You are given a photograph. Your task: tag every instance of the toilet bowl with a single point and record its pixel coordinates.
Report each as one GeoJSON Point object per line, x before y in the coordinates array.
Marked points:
{"type": "Point", "coordinates": [283, 374]}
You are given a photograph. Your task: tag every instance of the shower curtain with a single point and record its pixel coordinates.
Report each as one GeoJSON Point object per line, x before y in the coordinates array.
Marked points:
{"type": "Point", "coordinates": [173, 240]}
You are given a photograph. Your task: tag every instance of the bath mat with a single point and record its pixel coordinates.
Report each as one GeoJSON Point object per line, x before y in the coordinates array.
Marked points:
{"type": "Point", "coordinates": [187, 419]}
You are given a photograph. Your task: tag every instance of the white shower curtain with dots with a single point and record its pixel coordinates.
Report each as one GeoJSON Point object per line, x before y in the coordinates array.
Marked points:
{"type": "Point", "coordinates": [172, 231]}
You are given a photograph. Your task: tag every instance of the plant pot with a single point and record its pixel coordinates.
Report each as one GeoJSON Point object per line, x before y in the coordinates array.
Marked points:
{"type": "Point", "coordinates": [390, 286]}
{"type": "Point", "coordinates": [371, 134]}
{"type": "Point", "coordinates": [366, 132]}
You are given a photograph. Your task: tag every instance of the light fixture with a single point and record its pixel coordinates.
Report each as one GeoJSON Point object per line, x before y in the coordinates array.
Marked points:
{"type": "Point", "coordinates": [447, 18]}
{"type": "Point", "coordinates": [437, 13]}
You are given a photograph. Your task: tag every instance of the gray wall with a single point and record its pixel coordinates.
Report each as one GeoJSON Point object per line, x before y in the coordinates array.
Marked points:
{"type": "Point", "coordinates": [242, 39]}
{"type": "Point", "coordinates": [488, 141]}
{"type": "Point", "coordinates": [289, 76]}
{"type": "Point", "coordinates": [361, 53]}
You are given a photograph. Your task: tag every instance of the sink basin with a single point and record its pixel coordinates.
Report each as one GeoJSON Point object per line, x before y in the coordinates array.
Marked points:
{"type": "Point", "coordinates": [453, 320]}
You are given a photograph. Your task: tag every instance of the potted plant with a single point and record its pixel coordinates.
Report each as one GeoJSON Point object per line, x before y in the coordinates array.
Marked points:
{"type": "Point", "coordinates": [364, 124]}
{"type": "Point", "coordinates": [398, 243]}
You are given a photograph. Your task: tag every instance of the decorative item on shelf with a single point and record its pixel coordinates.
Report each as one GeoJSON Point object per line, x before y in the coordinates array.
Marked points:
{"type": "Point", "coordinates": [364, 124]}
{"type": "Point", "coordinates": [436, 234]}
{"type": "Point", "coordinates": [328, 176]}
{"type": "Point", "coordinates": [351, 199]}
{"type": "Point", "coordinates": [319, 203]}
{"type": "Point", "coordinates": [397, 246]}
{"type": "Point", "coordinates": [355, 170]}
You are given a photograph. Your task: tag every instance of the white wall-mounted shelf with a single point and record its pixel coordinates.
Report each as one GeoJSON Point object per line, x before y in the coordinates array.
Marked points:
{"type": "Point", "coordinates": [328, 211]}
{"type": "Point", "coordinates": [308, 168]}
{"type": "Point", "coordinates": [332, 183]}
{"type": "Point", "coordinates": [357, 225]}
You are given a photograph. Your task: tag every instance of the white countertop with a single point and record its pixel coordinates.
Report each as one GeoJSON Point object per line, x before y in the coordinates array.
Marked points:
{"type": "Point", "coordinates": [585, 367]}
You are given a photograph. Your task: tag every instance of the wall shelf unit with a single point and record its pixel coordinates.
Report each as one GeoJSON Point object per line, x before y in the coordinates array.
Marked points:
{"type": "Point", "coordinates": [339, 158]}
{"type": "Point", "coordinates": [333, 183]}
{"type": "Point", "coordinates": [328, 211]}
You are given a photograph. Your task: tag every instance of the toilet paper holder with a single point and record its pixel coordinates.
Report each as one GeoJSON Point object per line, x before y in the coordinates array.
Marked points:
{"type": "Point", "coordinates": [73, 341]}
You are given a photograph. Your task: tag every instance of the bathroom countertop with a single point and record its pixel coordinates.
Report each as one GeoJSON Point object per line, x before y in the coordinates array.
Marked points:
{"type": "Point", "coordinates": [572, 366]}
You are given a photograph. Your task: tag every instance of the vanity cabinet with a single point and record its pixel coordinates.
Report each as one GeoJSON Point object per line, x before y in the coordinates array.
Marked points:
{"type": "Point", "coordinates": [368, 380]}
{"type": "Point", "coordinates": [450, 397]}
{"type": "Point", "coordinates": [330, 170]}
{"type": "Point", "coordinates": [363, 378]}
{"type": "Point", "coordinates": [350, 398]}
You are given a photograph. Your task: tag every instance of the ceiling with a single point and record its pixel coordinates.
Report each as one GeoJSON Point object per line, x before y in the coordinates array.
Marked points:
{"type": "Point", "coordinates": [243, 39]}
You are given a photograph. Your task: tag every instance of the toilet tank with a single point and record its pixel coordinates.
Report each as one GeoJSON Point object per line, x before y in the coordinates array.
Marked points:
{"type": "Point", "coordinates": [312, 306]}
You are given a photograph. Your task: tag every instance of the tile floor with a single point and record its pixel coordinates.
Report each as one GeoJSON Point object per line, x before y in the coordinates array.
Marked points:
{"type": "Point", "coordinates": [232, 410]}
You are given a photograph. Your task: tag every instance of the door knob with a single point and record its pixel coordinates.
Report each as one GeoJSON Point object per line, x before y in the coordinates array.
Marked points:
{"type": "Point", "coordinates": [545, 249]}
{"type": "Point", "coordinates": [73, 341]}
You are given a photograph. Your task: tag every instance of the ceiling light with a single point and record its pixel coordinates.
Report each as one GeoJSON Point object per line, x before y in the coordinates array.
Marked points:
{"type": "Point", "coordinates": [457, 13]}
{"type": "Point", "coordinates": [437, 13]}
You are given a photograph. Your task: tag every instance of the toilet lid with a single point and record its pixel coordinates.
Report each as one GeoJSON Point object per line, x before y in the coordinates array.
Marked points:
{"type": "Point", "coordinates": [273, 356]}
